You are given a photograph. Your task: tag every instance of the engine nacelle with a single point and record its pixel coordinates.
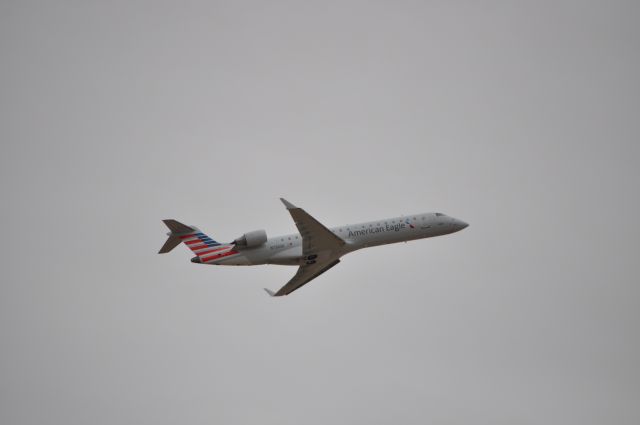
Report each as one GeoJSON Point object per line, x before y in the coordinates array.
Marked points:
{"type": "Point", "coordinates": [251, 239]}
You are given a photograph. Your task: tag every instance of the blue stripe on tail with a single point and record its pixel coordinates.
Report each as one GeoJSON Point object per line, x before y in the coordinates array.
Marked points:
{"type": "Point", "coordinates": [206, 239]}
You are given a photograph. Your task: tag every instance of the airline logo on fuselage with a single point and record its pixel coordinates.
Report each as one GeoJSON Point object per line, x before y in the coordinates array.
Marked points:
{"type": "Point", "coordinates": [396, 227]}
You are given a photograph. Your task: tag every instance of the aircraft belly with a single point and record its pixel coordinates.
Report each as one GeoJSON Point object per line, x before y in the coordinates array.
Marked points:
{"type": "Point", "coordinates": [239, 260]}
{"type": "Point", "coordinates": [289, 256]}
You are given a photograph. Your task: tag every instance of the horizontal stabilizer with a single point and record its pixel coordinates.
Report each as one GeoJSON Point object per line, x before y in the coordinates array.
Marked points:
{"type": "Point", "coordinates": [177, 227]}
{"type": "Point", "coordinates": [270, 292]}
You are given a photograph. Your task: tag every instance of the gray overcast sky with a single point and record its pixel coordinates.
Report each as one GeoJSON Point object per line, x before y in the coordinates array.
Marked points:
{"type": "Point", "coordinates": [520, 118]}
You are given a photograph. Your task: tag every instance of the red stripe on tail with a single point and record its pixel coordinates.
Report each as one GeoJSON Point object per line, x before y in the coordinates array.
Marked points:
{"type": "Point", "coordinates": [210, 251]}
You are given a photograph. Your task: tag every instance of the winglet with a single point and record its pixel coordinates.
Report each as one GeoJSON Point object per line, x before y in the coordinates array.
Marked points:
{"type": "Point", "coordinates": [270, 292]}
{"type": "Point", "coordinates": [288, 204]}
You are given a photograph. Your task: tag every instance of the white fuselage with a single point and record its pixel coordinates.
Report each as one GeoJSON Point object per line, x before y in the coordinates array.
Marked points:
{"type": "Point", "coordinates": [287, 249]}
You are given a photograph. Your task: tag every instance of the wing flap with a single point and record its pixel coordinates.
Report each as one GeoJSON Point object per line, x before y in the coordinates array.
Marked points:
{"type": "Point", "coordinates": [304, 275]}
{"type": "Point", "coordinates": [315, 236]}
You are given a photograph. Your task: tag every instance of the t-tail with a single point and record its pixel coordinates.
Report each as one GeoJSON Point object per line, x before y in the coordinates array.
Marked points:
{"type": "Point", "coordinates": [202, 245]}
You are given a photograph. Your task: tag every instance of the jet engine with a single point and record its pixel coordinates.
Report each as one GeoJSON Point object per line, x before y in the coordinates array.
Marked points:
{"type": "Point", "coordinates": [251, 239]}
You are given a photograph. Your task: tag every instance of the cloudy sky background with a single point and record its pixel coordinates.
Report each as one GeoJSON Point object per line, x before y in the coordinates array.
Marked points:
{"type": "Point", "coordinates": [520, 118]}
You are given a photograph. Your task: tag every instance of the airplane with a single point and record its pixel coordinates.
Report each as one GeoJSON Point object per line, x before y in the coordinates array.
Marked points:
{"type": "Point", "coordinates": [314, 250]}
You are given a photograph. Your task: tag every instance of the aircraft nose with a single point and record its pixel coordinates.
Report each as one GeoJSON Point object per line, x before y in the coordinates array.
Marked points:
{"type": "Point", "coordinates": [461, 224]}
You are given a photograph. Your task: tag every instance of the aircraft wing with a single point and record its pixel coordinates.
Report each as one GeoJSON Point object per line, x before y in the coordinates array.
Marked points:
{"type": "Point", "coordinates": [320, 248]}
{"type": "Point", "coordinates": [315, 236]}
{"type": "Point", "coordinates": [306, 273]}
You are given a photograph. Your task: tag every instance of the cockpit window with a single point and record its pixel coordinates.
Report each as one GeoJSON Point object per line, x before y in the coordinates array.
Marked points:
{"type": "Point", "coordinates": [439, 215]}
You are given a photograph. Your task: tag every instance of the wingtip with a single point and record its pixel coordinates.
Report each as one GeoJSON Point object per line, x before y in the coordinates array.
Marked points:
{"type": "Point", "coordinates": [288, 204]}
{"type": "Point", "coordinates": [270, 292]}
